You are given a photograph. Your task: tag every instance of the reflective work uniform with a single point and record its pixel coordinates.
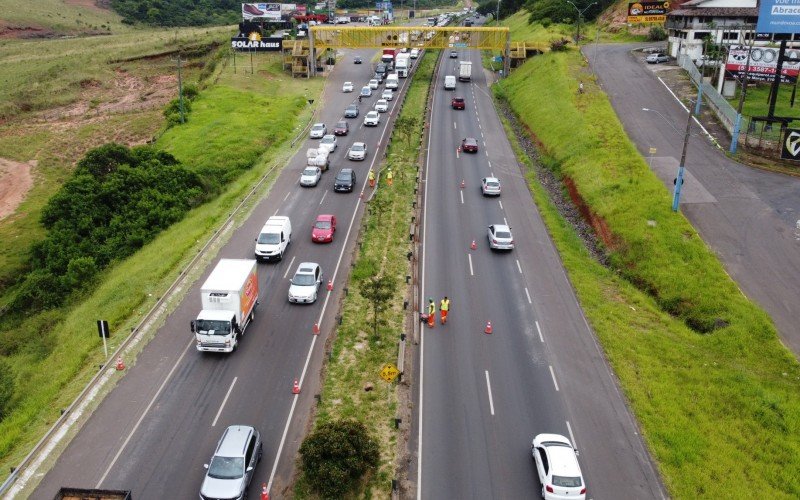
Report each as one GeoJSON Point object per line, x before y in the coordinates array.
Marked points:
{"type": "Point", "coordinates": [431, 314]}
{"type": "Point", "coordinates": [444, 307]}
{"type": "Point", "coordinates": [371, 178]}
{"type": "Point", "coordinates": [389, 177]}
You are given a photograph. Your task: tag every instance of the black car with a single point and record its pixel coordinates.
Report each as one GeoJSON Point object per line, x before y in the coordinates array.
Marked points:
{"type": "Point", "coordinates": [381, 68]}
{"type": "Point", "coordinates": [351, 111]}
{"type": "Point", "coordinates": [379, 76]}
{"type": "Point", "coordinates": [356, 60]}
{"type": "Point", "coordinates": [453, 54]}
{"type": "Point", "coordinates": [345, 181]}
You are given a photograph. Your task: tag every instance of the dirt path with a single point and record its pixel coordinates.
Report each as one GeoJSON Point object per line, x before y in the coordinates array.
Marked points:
{"type": "Point", "coordinates": [15, 182]}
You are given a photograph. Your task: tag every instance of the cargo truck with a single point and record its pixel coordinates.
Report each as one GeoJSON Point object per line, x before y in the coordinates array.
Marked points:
{"type": "Point", "coordinates": [464, 71]}
{"type": "Point", "coordinates": [388, 57]}
{"type": "Point", "coordinates": [229, 298]}
{"type": "Point", "coordinates": [403, 64]}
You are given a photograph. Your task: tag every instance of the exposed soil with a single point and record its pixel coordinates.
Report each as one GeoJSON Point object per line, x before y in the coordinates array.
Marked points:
{"type": "Point", "coordinates": [96, 5]}
{"type": "Point", "coordinates": [15, 182]}
{"type": "Point", "coordinates": [8, 31]}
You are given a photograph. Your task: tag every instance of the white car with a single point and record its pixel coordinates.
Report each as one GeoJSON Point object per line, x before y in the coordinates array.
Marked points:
{"type": "Point", "coordinates": [382, 106]}
{"type": "Point", "coordinates": [414, 53]}
{"type": "Point", "coordinates": [558, 469]}
{"type": "Point", "coordinates": [490, 186]}
{"type": "Point", "coordinates": [372, 119]}
{"type": "Point", "coordinates": [500, 237]}
{"type": "Point", "coordinates": [305, 283]}
{"type": "Point", "coordinates": [310, 176]}
{"type": "Point", "coordinates": [373, 84]}
{"type": "Point", "coordinates": [358, 151]}
{"type": "Point", "coordinates": [347, 87]}
{"type": "Point", "coordinates": [366, 91]}
{"type": "Point", "coordinates": [387, 94]}
{"type": "Point", "coordinates": [318, 130]}
{"type": "Point", "coordinates": [328, 142]}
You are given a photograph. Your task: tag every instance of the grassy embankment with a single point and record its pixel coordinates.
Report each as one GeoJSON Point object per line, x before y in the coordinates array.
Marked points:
{"type": "Point", "coordinates": [241, 118]}
{"type": "Point", "coordinates": [714, 390]}
{"type": "Point", "coordinates": [357, 356]}
{"type": "Point", "coordinates": [60, 17]}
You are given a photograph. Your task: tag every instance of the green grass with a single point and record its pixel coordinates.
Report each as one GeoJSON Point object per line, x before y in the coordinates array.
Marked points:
{"type": "Point", "coordinates": [61, 17]}
{"type": "Point", "coordinates": [357, 356]}
{"type": "Point", "coordinates": [719, 411]}
{"type": "Point", "coordinates": [63, 353]}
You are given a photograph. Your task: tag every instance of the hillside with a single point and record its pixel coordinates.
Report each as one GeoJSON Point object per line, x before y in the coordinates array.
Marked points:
{"type": "Point", "coordinates": [57, 18]}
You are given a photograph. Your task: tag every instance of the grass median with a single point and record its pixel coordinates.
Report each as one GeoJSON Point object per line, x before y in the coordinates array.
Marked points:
{"type": "Point", "coordinates": [357, 355]}
{"type": "Point", "coordinates": [714, 390]}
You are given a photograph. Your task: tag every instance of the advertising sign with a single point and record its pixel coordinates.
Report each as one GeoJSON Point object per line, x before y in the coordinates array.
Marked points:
{"type": "Point", "coordinates": [268, 11]}
{"type": "Point", "coordinates": [763, 64]}
{"type": "Point", "coordinates": [790, 150]}
{"type": "Point", "coordinates": [647, 12]}
{"type": "Point", "coordinates": [779, 16]}
{"type": "Point", "coordinates": [257, 44]}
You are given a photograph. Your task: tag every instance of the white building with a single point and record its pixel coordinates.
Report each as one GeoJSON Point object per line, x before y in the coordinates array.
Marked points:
{"type": "Point", "coordinates": [726, 22]}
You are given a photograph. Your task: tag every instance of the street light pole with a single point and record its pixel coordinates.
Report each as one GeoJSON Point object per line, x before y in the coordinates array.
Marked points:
{"type": "Point", "coordinates": [580, 15]}
{"type": "Point", "coordinates": [676, 196]}
{"type": "Point", "coordinates": [497, 17]}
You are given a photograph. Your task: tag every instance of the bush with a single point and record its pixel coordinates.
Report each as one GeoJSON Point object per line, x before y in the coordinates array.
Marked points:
{"type": "Point", "coordinates": [7, 384]}
{"type": "Point", "coordinates": [336, 455]}
{"type": "Point", "coordinates": [656, 34]}
{"type": "Point", "coordinates": [559, 45]}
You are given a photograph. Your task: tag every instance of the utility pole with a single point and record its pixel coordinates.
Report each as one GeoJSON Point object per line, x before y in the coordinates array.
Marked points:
{"type": "Point", "coordinates": [676, 198]}
{"type": "Point", "coordinates": [580, 16]}
{"type": "Point", "coordinates": [497, 17]}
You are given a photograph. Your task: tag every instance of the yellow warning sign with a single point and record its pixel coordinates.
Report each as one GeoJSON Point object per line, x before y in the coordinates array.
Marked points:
{"type": "Point", "coordinates": [389, 372]}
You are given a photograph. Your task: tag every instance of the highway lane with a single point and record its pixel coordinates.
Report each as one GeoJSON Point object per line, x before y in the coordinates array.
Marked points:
{"type": "Point", "coordinates": [483, 397]}
{"type": "Point", "coordinates": [749, 217]}
{"type": "Point", "coordinates": [157, 428]}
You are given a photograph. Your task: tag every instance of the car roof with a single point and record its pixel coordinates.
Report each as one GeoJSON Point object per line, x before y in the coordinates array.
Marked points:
{"type": "Point", "coordinates": [342, 123]}
{"type": "Point", "coordinates": [234, 441]}
{"type": "Point", "coordinates": [501, 227]}
{"type": "Point", "coordinates": [491, 179]}
{"type": "Point", "coordinates": [324, 217]}
{"type": "Point", "coordinates": [345, 170]}
{"type": "Point", "coordinates": [563, 460]}
{"type": "Point", "coordinates": [329, 137]}
{"type": "Point", "coordinates": [306, 267]}
{"type": "Point", "coordinates": [359, 144]}
{"type": "Point", "coordinates": [470, 139]}
{"type": "Point", "coordinates": [318, 125]}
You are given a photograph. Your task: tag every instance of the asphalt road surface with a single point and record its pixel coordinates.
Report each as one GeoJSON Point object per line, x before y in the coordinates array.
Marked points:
{"type": "Point", "coordinates": [750, 218]}
{"type": "Point", "coordinates": [482, 397]}
{"type": "Point", "coordinates": [157, 428]}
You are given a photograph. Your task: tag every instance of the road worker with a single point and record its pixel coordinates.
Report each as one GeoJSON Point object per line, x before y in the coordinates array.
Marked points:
{"type": "Point", "coordinates": [431, 313]}
{"type": "Point", "coordinates": [444, 307]}
{"type": "Point", "coordinates": [389, 177]}
{"type": "Point", "coordinates": [372, 178]}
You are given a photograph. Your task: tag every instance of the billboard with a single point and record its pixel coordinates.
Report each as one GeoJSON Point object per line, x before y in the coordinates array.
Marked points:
{"type": "Point", "coordinates": [790, 150]}
{"type": "Point", "coordinates": [779, 16]}
{"type": "Point", "coordinates": [647, 12]}
{"type": "Point", "coordinates": [255, 43]}
{"type": "Point", "coordinates": [267, 11]}
{"type": "Point", "coordinates": [763, 64]}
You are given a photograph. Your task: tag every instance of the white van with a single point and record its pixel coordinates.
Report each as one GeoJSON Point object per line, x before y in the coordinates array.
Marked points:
{"type": "Point", "coordinates": [449, 82]}
{"type": "Point", "coordinates": [392, 81]}
{"type": "Point", "coordinates": [273, 239]}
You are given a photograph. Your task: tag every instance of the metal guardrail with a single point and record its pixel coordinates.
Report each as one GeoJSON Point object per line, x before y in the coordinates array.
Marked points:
{"type": "Point", "coordinates": [722, 108]}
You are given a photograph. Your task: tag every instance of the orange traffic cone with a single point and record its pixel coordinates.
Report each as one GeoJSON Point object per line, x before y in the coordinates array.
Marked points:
{"type": "Point", "coordinates": [330, 285]}
{"type": "Point", "coordinates": [488, 328]}
{"type": "Point", "coordinates": [463, 183]}
{"type": "Point", "coordinates": [264, 492]}
{"type": "Point", "coordinates": [296, 387]}
{"type": "Point", "coordinates": [120, 364]}
{"type": "Point", "coordinates": [473, 245]}
{"type": "Point", "coordinates": [315, 329]}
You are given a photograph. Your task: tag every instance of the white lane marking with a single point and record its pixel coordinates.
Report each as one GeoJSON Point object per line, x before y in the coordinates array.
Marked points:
{"type": "Point", "coordinates": [225, 400]}
{"type": "Point", "coordinates": [519, 268]}
{"type": "Point", "coordinates": [469, 256]}
{"type": "Point", "coordinates": [323, 196]}
{"type": "Point", "coordinates": [540, 332]}
{"type": "Point", "coordinates": [505, 221]}
{"type": "Point", "coordinates": [553, 374]}
{"type": "Point", "coordinates": [287, 195]}
{"type": "Point", "coordinates": [462, 196]}
{"type": "Point", "coordinates": [289, 267]}
{"type": "Point", "coordinates": [710, 137]}
{"type": "Point", "coordinates": [141, 417]}
{"type": "Point", "coordinates": [489, 389]}
{"type": "Point", "coordinates": [457, 155]}
{"type": "Point", "coordinates": [571, 436]}
{"type": "Point", "coordinates": [500, 202]}
{"type": "Point", "coordinates": [490, 164]}
{"type": "Point", "coordinates": [454, 126]}
{"type": "Point", "coordinates": [276, 212]}
{"type": "Point", "coordinates": [527, 294]}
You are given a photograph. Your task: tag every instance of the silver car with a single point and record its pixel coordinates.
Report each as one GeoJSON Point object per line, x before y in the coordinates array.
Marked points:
{"type": "Point", "coordinates": [387, 94]}
{"type": "Point", "coordinates": [305, 283]}
{"type": "Point", "coordinates": [234, 462]}
{"type": "Point", "coordinates": [318, 130]}
{"type": "Point", "coordinates": [310, 176]}
{"type": "Point", "coordinates": [372, 119]}
{"type": "Point", "coordinates": [358, 151]}
{"type": "Point", "coordinates": [500, 237]}
{"type": "Point", "coordinates": [490, 186]}
{"type": "Point", "coordinates": [328, 142]}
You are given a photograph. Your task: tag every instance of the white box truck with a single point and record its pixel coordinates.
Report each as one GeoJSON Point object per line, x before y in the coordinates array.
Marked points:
{"type": "Point", "coordinates": [392, 82]}
{"type": "Point", "coordinates": [464, 71]}
{"type": "Point", "coordinates": [402, 64]}
{"type": "Point", "coordinates": [228, 297]}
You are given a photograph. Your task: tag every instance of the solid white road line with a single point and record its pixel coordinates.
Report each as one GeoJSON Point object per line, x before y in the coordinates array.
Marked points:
{"type": "Point", "coordinates": [553, 374]}
{"type": "Point", "coordinates": [289, 267]}
{"type": "Point", "coordinates": [323, 196]}
{"type": "Point", "coordinates": [489, 389]}
{"type": "Point", "coordinates": [462, 196]}
{"type": "Point", "coordinates": [519, 268]}
{"type": "Point", "coordinates": [571, 436]}
{"type": "Point", "coordinates": [528, 295]}
{"type": "Point", "coordinates": [540, 332]}
{"type": "Point", "coordinates": [710, 137]}
{"type": "Point", "coordinates": [225, 400]}
{"type": "Point", "coordinates": [141, 417]}
{"type": "Point", "coordinates": [469, 256]}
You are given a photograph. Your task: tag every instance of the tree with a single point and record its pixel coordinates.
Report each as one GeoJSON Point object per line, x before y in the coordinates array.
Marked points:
{"type": "Point", "coordinates": [378, 291]}
{"type": "Point", "coordinates": [336, 455]}
{"type": "Point", "coordinates": [406, 126]}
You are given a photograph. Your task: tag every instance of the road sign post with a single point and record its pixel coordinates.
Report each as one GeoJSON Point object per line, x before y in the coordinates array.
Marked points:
{"type": "Point", "coordinates": [102, 330]}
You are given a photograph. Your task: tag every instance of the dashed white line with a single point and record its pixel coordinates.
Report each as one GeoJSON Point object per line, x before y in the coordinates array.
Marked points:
{"type": "Point", "coordinates": [490, 165]}
{"type": "Point", "coordinates": [553, 374]}
{"type": "Point", "coordinates": [519, 268]}
{"type": "Point", "coordinates": [288, 268]}
{"type": "Point", "coordinates": [323, 197]}
{"type": "Point", "coordinates": [469, 256]}
{"type": "Point", "coordinates": [571, 436]}
{"type": "Point", "coordinates": [454, 126]}
{"type": "Point", "coordinates": [540, 332]}
{"type": "Point", "coordinates": [276, 212]}
{"type": "Point", "coordinates": [462, 196]}
{"type": "Point", "coordinates": [489, 389]}
{"type": "Point", "coordinates": [528, 295]}
{"type": "Point", "coordinates": [500, 202]}
{"type": "Point", "coordinates": [505, 221]}
{"type": "Point", "coordinates": [287, 195]}
{"type": "Point", "coordinates": [225, 400]}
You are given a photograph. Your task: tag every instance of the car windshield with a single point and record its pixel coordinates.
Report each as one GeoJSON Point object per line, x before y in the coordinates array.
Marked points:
{"type": "Point", "coordinates": [352, 108]}
{"type": "Point", "coordinates": [502, 234]}
{"type": "Point", "coordinates": [213, 327]}
{"type": "Point", "coordinates": [492, 184]}
{"type": "Point", "coordinates": [357, 147]}
{"type": "Point", "coordinates": [311, 172]}
{"type": "Point", "coordinates": [317, 127]}
{"type": "Point", "coordinates": [567, 481]}
{"type": "Point", "coordinates": [269, 238]}
{"type": "Point", "coordinates": [303, 279]}
{"type": "Point", "coordinates": [341, 125]}
{"type": "Point", "coordinates": [323, 224]}
{"type": "Point", "coordinates": [343, 177]}
{"type": "Point", "coordinates": [226, 467]}
{"type": "Point", "coordinates": [327, 140]}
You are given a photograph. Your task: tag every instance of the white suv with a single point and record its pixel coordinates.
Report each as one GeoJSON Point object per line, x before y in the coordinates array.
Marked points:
{"type": "Point", "coordinates": [234, 462]}
{"type": "Point", "coordinates": [372, 119]}
{"type": "Point", "coordinates": [305, 283]}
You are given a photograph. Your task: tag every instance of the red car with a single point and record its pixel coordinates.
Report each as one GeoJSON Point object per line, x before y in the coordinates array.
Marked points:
{"type": "Point", "coordinates": [342, 128]}
{"type": "Point", "coordinates": [457, 103]}
{"type": "Point", "coordinates": [323, 229]}
{"type": "Point", "coordinates": [469, 145]}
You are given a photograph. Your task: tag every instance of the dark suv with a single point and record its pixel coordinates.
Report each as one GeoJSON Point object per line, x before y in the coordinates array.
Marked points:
{"type": "Point", "coordinates": [457, 103]}
{"type": "Point", "coordinates": [234, 462]}
{"type": "Point", "coordinates": [345, 181]}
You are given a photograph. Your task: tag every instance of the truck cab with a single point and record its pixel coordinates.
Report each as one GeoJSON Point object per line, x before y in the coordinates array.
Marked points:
{"type": "Point", "coordinates": [216, 331]}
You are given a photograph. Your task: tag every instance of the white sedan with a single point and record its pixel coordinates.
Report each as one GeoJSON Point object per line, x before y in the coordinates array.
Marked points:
{"type": "Point", "coordinates": [304, 285]}
{"type": "Point", "coordinates": [347, 87]}
{"type": "Point", "coordinates": [372, 119]}
{"type": "Point", "coordinates": [382, 106]}
{"type": "Point", "coordinates": [310, 176]}
{"type": "Point", "coordinates": [500, 237]}
{"type": "Point", "coordinates": [558, 469]}
{"type": "Point", "coordinates": [318, 130]}
{"type": "Point", "coordinates": [373, 84]}
{"type": "Point", "coordinates": [328, 142]}
{"type": "Point", "coordinates": [358, 151]}
{"type": "Point", "coordinates": [387, 94]}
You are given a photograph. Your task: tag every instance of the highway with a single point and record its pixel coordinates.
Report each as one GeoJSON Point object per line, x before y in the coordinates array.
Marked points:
{"type": "Point", "coordinates": [482, 397]}
{"type": "Point", "coordinates": [155, 430]}
{"type": "Point", "coordinates": [749, 217]}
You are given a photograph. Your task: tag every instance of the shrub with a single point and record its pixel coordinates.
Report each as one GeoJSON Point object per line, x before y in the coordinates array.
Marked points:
{"type": "Point", "coordinates": [559, 44]}
{"type": "Point", "coordinates": [7, 384]}
{"type": "Point", "coordinates": [656, 34]}
{"type": "Point", "coordinates": [336, 455]}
